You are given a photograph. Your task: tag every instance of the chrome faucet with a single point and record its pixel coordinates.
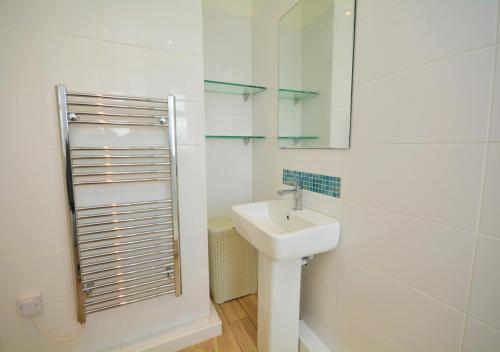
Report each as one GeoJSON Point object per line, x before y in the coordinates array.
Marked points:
{"type": "Point", "coordinates": [297, 194]}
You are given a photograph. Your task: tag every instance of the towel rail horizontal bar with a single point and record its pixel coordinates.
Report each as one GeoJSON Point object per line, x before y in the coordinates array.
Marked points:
{"type": "Point", "coordinates": [118, 165]}
{"type": "Point", "coordinates": [121, 259]}
{"type": "Point", "coordinates": [147, 156]}
{"type": "Point", "coordinates": [117, 205]}
{"type": "Point", "coordinates": [125, 228]}
{"type": "Point", "coordinates": [102, 239]}
{"type": "Point", "coordinates": [121, 251]}
{"type": "Point", "coordinates": [124, 288]}
{"type": "Point", "coordinates": [118, 282]}
{"type": "Point", "coordinates": [115, 97]}
{"type": "Point", "coordinates": [93, 303]}
{"type": "Point", "coordinates": [116, 213]}
{"type": "Point", "coordinates": [119, 221]}
{"type": "Point", "coordinates": [116, 244]}
{"type": "Point", "coordinates": [95, 310]}
{"type": "Point", "coordinates": [84, 183]}
{"type": "Point", "coordinates": [131, 265]}
{"type": "Point", "coordinates": [118, 148]}
{"type": "Point", "coordinates": [117, 106]}
{"type": "Point", "coordinates": [116, 114]}
{"type": "Point", "coordinates": [118, 123]}
{"type": "Point", "coordinates": [112, 173]}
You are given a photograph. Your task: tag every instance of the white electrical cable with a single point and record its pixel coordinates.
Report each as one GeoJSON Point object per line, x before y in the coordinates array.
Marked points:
{"type": "Point", "coordinates": [57, 338]}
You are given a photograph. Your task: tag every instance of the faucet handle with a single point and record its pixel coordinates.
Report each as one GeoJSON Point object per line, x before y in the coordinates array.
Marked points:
{"type": "Point", "coordinates": [295, 184]}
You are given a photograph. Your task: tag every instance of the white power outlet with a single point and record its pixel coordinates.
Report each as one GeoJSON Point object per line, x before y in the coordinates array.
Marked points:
{"type": "Point", "coordinates": [29, 306]}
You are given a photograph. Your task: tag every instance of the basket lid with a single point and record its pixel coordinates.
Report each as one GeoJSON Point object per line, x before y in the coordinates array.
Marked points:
{"type": "Point", "coordinates": [221, 224]}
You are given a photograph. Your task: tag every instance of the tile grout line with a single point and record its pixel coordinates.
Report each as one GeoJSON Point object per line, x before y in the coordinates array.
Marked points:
{"type": "Point", "coordinates": [405, 284]}
{"type": "Point", "coordinates": [43, 251]}
{"type": "Point", "coordinates": [385, 335]}
{"type": "Point", "coordinates": [424, 65]}
{"type": "Point", "coordinates": [470, 231]}
{"type": "Point", "coordinates": [98, 39]}
{"type": "Point", "coordinates": [484, 172]}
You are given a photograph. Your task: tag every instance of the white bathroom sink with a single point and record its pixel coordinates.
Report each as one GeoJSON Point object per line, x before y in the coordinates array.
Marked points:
{"type": "Point", "coordinates": [281, 233]}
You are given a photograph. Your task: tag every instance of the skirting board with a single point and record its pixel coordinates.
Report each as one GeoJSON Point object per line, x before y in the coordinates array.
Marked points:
{"type": "Point", "coordinates": [178, 337]}
{"type": "Point", "coordinates": [309, 341]}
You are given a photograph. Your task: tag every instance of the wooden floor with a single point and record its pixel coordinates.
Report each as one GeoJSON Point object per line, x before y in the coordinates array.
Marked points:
{"type": "Point", "coordinates": [239, 328]}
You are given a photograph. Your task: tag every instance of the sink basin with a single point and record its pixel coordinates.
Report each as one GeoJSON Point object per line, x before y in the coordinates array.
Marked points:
{"type": "Point", "coordinates": [282, 233]}
{"type": "Point", "coordinates": [282, 236]}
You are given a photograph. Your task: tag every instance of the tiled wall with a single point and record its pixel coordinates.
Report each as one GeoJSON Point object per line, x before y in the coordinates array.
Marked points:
{"type": "Point", "coordinates": [228, 57]}
{"type": "Point", "coordinates": [150, 48]}
{"type": "Point", "coordinates": [418, 264]}
{"type": "Point", "coordinates": [327, 185]}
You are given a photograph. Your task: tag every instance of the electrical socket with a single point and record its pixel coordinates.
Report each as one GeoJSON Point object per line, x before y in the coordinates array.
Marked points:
{"type": "Point", "coordinates": [29, 306]}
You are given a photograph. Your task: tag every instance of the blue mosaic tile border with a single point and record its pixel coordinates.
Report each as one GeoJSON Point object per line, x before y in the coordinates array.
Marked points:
{"type": "Point", "coordinates": [328, 185]}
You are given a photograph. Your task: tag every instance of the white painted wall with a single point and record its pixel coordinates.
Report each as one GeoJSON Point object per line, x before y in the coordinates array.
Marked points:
{"type": "Point", "coordinates": [149, 48]}
{"type": "Point", "coordinates": [228, 57]}
{"type": "Point", "coordinates": [418, 264]}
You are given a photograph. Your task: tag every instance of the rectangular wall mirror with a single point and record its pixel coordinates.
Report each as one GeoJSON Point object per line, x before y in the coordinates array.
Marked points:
{"type": "Point", "coordinates": [316, 44]}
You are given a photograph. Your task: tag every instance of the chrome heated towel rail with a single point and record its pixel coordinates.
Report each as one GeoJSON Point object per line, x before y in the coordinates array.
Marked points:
{"type": "Point", "coordinates": [119, 156]}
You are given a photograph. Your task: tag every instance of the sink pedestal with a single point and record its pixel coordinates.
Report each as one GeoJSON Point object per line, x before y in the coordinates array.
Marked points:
{"type": "Point", "coordinates": [282, 236]}
{"type": "Point", "coordinates": [279, 304]}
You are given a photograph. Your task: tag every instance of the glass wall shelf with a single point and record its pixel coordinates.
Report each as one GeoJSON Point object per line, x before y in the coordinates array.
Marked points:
{"type": "Point", "coordinates": [246, 139]}
{"type": "Point", "coordinates": [246, 90]}
{"type": "Point", "coordinates": [296, 95]}
{"type": "Point", "coordinates": [298, 137]}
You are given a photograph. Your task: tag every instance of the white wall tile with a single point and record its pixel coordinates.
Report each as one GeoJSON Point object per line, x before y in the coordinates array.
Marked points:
{"type": "Point", "coordinates": [17, 334]}
{"type": "Point", "coordinates": [61, 16]}
{"type": "Point", "coordinates": [427, 105]}
{"type": "Point", "coordinates": [194, 248]}
{"type": "Point", "coordinates": [435, 259]}
{"type": "Point", "coordinates": [169, 25]}
{"type": "Point", "coordinates": [101, 331]}
{"type": "Point", "coordinates": [486, 286]}
{"type": "Point", "coordinates": [312, 161]}
{"type": "Point", "coordinates": [490, 222]}
{"type": "Point", "coordinates": [480, 338]}
{"type": "Point", "coordinates": [495, 118]}
{"type": "Point", "coordinates": [47, 227]}
{"type": "Point", "coordinates": [30, 172]}
{"type": "Point", "coordinates": [435, 182]}
{"type": "Point", "coordinates": [223, 194]}
{"type": "Point", "coordinates": [190, 122]}
{"type": "Point", "coordinates": [192, 208]}
{"type": "Point", "coordinates": [267, 174]}
{"type": "Point", "coordinates": [238, 7]}
{"type": "Point", "coordinates": [33, 123]}
{"type": "Point", "coordinates": [48, 273]}
{"type": "Point", "coordinates": [365, 8]}
{"type": "Point", "coordinates": [412, 320]}
{"type": "Point", "coordinates": [149, 72]}
{"type": "Point", "coordinates": [265, 39]}
{"type": "Point", "coordinates": [228, 46]}
{"type": "Point", "coordinates": [42, 60]}
{"type": "Point", "coordinates": [355, 334]}
{"type": "Point", "coordinates": [426, 31]}
{"type": "Point", "coordinates": [191, 166]}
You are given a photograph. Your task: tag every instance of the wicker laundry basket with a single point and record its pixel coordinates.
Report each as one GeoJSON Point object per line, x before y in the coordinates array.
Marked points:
{"type": "Point", "coordinates": [233, 262]}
